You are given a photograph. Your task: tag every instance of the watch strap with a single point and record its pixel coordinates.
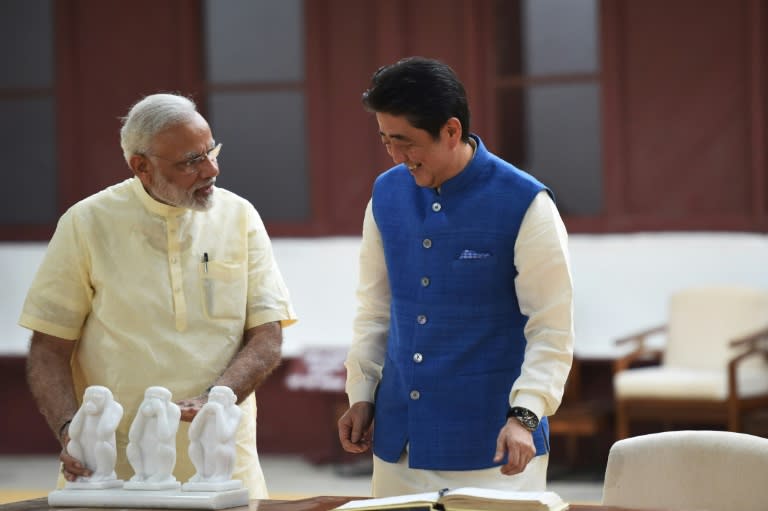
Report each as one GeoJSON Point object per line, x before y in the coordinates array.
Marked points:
{"type": "Point", "coordinates": [524, 416]}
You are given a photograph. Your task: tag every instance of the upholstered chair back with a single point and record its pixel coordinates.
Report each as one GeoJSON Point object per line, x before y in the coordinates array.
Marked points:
{"type": "Point", "coordinates": [703, 321]}
{"type": "Point", "coordinates": [686, 470]}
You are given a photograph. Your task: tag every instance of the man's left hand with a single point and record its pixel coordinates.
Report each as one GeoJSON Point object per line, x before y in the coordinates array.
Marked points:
{"type": "Point", "coordinates": [517, 442]}
{"type": "Point", "coordinates": [190, 407]}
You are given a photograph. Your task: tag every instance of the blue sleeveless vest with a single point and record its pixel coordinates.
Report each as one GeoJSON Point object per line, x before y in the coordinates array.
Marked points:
{"type": "Point", "coordinates": [456, 342]}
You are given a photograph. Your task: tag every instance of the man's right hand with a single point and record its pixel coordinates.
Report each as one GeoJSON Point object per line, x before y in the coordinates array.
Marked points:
{"type": "Point", "coordinates": [190, 407]}
{"type": "Point", "coordinates": [355, 427]}
{"type": "Point", "coordinates": [71, 467]}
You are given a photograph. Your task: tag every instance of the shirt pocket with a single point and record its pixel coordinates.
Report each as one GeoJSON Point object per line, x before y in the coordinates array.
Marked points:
{"type": "Point", "coordinates": [223, 289]}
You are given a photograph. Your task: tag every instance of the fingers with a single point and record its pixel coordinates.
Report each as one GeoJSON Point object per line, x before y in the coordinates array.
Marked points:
{"type": "Point", "coordinates": [501, 448]}
{"type": "Point", "coordinates": [516, 443]}
{"type": "Point", "coordinates": [72, 468]}
{"type": "Point", "coordinates": [187, 414]}
{"type": "Point", "coordinates": [190, 407]}
{"type": "Point", "coordinates": [515, 464]}
{"type": "Point", "coordinates": [350, 437]}
{"type": "Point", "coordinates": [345, 435]}
{"type": "Point", "coordinates": [355, 428]}
{"type": "Point", "coordinates": [517, 460]}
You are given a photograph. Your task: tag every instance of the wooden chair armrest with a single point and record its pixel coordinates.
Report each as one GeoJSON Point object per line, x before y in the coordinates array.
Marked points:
{"type": "Point", "coordinates": [755, 343]}
{"type": "Point", "coordinates": [639, 337]}
{"type": "Point", "coordinates": [640, 351]}
{"type": "Point", "coordinates": [752, 339]}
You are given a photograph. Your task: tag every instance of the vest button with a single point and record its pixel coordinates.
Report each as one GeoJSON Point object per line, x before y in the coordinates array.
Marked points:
{"type": "Point", "coordinates": [427, 243]}
{"type": "Point", "coordinates": [424, 281]}
{"type": "Point", "coordinates": [415, 395]}
{"type": "Point", "coordinates": [421, 319]}
{"type": "Point", "coordinates": [418, 357]}
{"type": "Point", "coordinates": [436, 206]}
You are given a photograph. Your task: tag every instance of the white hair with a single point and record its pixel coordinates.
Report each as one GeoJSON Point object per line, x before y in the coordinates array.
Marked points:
{"type": "Point", "coordinates": [149, 117]}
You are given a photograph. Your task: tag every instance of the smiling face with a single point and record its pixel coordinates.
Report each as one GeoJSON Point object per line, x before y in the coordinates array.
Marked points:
{"type": "Point", "coordinates": [164, 170]}
{"type": "Point", "coordinates": [430, 161]}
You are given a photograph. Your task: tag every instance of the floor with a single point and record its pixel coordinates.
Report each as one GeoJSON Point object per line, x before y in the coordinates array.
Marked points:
{"type": "Point", "coordinates": [288, 477]}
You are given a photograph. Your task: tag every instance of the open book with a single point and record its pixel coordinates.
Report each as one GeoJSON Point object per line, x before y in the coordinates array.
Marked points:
{"type": "Point", "coordinates": [465, 499]}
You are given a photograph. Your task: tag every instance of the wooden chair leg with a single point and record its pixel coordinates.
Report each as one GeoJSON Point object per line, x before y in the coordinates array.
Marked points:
{"type": "Point", "coordinates": [572, 450]}
{"type": "Point", "coordinates": [622, 421]}
{"type": "Point", "coordinates": [734, 417]}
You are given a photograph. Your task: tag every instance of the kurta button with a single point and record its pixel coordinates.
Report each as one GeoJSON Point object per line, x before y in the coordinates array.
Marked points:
{"type": "Point", "coordinates": [415, 395]}
{"type": "Point", "coordinates": [436, 206]}
{"type": "Point", "coordinates": [173, 260]}
{"type": "Point", "coordinates": [424, 281]}
{"type": "Point", "coordinates": [427, 243]}
{"type": "Point", "coordinates": [418, 357]}
{"type": "Point", "coordinates": [421, 319]}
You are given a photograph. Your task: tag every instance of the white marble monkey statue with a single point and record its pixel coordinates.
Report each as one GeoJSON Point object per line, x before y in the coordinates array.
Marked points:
{"type": "Point", "coordinates": [212, 438]}
{"type": "Point", "coordinates": [151, 447]}
{"type": "Point", "coordinates": [92, 434]}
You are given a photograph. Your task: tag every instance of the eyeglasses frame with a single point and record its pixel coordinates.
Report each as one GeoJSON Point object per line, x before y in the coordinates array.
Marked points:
{"type": "Point", "coordinates": [189, 166]}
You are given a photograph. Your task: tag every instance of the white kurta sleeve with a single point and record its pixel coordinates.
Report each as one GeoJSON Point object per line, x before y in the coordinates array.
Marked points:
{"type": "Point", "coordinates": [371, 324]}
{"type": "Point", "coordinates": [545, 293]}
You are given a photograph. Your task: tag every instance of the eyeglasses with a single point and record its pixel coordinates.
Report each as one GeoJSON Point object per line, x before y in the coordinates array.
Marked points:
{"type": "Point", "coordinates": [190, 165]}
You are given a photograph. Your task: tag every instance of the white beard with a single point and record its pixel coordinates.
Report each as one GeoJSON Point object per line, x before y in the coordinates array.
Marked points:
{"type": "Point", "coordinates": [167, 192]}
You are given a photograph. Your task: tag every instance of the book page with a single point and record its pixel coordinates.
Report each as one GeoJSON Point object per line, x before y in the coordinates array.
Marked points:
{"type": "Point", "coordinates": [545, 497]}
{"type": "Point", "coordinates": [465, 498]}
{"type": "Point", "coordinates": [396, 501]}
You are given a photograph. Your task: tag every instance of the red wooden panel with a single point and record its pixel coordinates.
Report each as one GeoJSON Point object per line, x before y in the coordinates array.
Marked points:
{"type": "Point", "coordinates": [23, 429]}
{"type": "Point", "coordinates": [347, 41]}
{"type": "Point", "coordinates": [759, 25]}
{"type": "Point", "coordinates": [109, 55]}
{"type": "Point", "coordinates": [355, 147]}
{"type": "Point", "coordinates": [436, 29]}
{"type": "Point", "coordinates": [612, 86]}
{"type": "Point", "coordinates": [453, 31]}
{"type": "Point", "coordinates": [342, 136]}
{"type": "Point", "coordinates": [686, 108]}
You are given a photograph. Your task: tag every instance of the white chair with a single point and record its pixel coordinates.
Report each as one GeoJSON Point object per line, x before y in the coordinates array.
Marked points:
{"type": "Point", "coordinates": [713, 368]}
{"type": "Point", "coordinates": [688, 470]}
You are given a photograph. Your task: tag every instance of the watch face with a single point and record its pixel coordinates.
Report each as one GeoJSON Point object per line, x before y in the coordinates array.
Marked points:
{"type": "Point", "coordinates": [526, 417]}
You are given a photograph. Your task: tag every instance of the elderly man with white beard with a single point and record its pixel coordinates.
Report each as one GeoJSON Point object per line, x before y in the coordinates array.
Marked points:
{"type": "Point", "coordinates": [165, 279]}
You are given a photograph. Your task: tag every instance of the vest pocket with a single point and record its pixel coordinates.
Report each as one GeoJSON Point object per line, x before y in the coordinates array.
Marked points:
{"type": "Point", "coordinates": [223, 289]}
{"type": "Point", "coordinates": [477, 277]}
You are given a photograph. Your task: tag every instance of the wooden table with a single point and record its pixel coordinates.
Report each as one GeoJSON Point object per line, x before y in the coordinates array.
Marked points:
{"type": "Point", "coordinates": [311, 504]}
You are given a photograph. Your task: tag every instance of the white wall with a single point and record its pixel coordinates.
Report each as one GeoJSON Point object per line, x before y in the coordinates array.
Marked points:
{"type": "Point", "coordinates": [18, 264]}
{"type": "Point", "coordinates": [321, 275]}
{"type": "Point", "coordinates": [621, 283]}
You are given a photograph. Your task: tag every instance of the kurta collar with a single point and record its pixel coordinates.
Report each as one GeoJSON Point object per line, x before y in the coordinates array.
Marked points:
{"type": "Point", "coordinates": [153, 205]}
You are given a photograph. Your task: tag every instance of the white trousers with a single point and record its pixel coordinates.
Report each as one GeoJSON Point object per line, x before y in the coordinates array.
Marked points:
{"type": "Point", "coordinates": [391, 479]}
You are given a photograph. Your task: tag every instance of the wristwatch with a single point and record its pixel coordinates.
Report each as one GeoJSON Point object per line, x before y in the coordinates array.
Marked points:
{"type": "Point", "coordinates": [525, 417]}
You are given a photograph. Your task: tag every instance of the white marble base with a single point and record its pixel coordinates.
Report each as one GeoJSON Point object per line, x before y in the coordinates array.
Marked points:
{"type": "Point", "coordinates": [94, 485]}
{"type": "Point", "coordinates": [232, 484]}
{"type": "Point", "coordinates": [161, 499]}
{"type": "Point", "coordinates": [146, 486]}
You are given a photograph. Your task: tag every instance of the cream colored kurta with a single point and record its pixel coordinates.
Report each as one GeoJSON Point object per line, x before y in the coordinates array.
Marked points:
{"type": "Point", "coordinates": [124, 278]}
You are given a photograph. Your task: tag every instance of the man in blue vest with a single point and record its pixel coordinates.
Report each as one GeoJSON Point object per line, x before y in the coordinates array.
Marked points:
{"type": "Point", "coordinates": [463, 338]}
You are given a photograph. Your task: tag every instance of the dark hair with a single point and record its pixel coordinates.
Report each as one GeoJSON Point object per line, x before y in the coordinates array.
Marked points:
{"type": "Point", "coordinates": [427, 92]}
